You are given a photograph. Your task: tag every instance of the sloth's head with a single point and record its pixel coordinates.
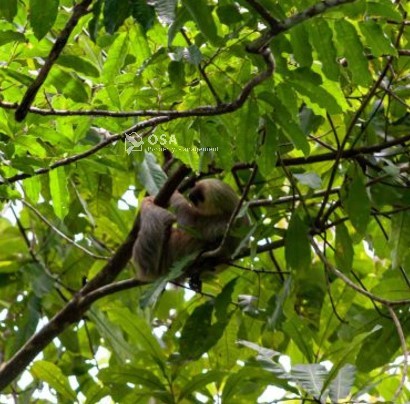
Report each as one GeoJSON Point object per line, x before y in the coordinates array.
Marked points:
{"type": "Point", "coordinates": [213, 197]}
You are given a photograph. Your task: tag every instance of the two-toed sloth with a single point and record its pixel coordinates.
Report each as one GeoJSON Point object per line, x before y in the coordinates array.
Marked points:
{"type": "Point", "coordinates": [201, 225]}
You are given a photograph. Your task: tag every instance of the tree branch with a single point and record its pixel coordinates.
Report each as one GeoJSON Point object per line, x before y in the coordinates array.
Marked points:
{"type": "Point", "coordinates": [79, 304]}
{"type": "Point", "coordinates": [79, 10]}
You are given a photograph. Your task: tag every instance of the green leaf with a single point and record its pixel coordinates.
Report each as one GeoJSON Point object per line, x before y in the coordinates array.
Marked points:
{"type": "Point", "coordinates": [321, 37]}
{"type": "Point", "coordinates": [43, 14]}
{"type": "Point", "coordinates": [392, 285]}
{"type": "Point", "coordinates": [201, 13]}
{"type": "Point", "coordinates": [113, 335]}
{"type": "Point", "coordinates": [138, 330]}
{"type": "Point", "coordinates": [144, 13]}
{"type": "Point", "coordinates": [310, 377]}
{"type": "Point", "coordinates": [152, 293]}
{"type": "Point", "coordinates": [11, 36]}
{"type": "Point", "coordinates": [16, 76]}
{"type": "Point", "coordinates": [223, 301]}
{"type": "Point", "coordinates": [302, 50]}
{"type": "Point", "coordinates": [115, 12]}
{"type": "Point", "coordinates": [229, 14]}
{"type": "Point", "coordinates": [250, 118]}
{"type": "Point", "coordinates": [176, 72]}
{"type": "Point", "coordinates": [400, 238]}
{"type": "Point", "coordinates": [268, 153]}
{"type": "Point", "coordinates": [182, 17]}
{"type": "Point", "coordinates": [68, 84]}
{"type": "Point", "coordinates": [28, 322]}
{"type": "Point", "coordinates": [8, 9]}
{"type": "Point", "coordinates": [312, 180]}
{"type": "Point", "coordinates": [385, 9]}
{"type": "Point", "coordinates": [32, 188]}
{"type": "Point", "coordinates": [165, 10]}
{"type": "Point", "coordinates": [344, 249]}
{"type": "Point", "coordinates": [78, 64]}
{"type": "Point", "coordinates": [301, 335]}
{"type": "Point", "coordinates": [115, 58]}
{"type": "Point", "coordinates": [379, 347]}
{"type": "Point", "coordinates": [377, 40]}
{"type": "Point", "coordinates": [31, 143]}
{"type": "Point", "coordinates": [199, 335]}
{"type": "Point", "coordinates": [135, 375]}
{"type": "Point", "coordinates": [196, 383]}
{"type": "Point", "coordinates": [342, 384]}
{"type": "Point", "coordinates": [59, 192]}
{"type": "Point", "coordinates": [357, 203]}
{"type": "Point", "coordinates": [291, 127]}
{"type": "Point", "coordinates": [315, 94]}
{"type": "Point", "coordinates": [50, 373]}
{"type": "Point", "coordinates": [297, 246]}
{"type": "Point", "coordinates": [353, 51]}
{"type": "Point", "coordinates": [151, 174]}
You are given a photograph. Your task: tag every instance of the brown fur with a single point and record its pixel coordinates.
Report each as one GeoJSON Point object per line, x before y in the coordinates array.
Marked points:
{"type": "Point", "coordinates": [201, 226]}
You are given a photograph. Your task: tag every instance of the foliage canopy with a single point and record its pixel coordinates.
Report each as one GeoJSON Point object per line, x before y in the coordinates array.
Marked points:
{"type": "Point", "coordinates": [303, 107]}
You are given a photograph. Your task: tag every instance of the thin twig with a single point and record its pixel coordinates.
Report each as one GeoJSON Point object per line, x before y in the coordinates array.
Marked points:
{"type": "Point", "coordinates": [400, 332]}
{"type": "Point", "coordinates": [330, 268]}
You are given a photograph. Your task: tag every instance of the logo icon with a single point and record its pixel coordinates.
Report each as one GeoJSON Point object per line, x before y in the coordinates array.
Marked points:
{"type": "Point", "coordinates": [133, 143]}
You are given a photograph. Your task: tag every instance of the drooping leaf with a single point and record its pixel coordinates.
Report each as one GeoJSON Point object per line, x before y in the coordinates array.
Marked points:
{"type": "Point", "coordinates": [53, 375]}
{"type": "Point", "coordinates": [342, 384]}
{"type": "Point", "coordinates": [353, 51]}
{"type": "Point", "coordinates": [377, 40]}
{"type": "Point", "coordinates": [312, 180]}
{"type": "Point", "coordinates": [115, 13]}
{"type": "Point", "coordinates": [10, 36]}
{"type": "Point", "coordinates": [321, 36]}
{"type": "Point", "coordinates": [8, 9]}
{"type": "Point", "coordinates": [357, 202]}
{"type": "Point", "coordinates": [43, 14]}
{"type": "Point", "coordinates": [310, 377]}
{"type": "Point", "coordinates": [400, 238]}
{"type": "Point", "coordinates": [297, 246]}
{"type": "Point", "coordinates": [201, 13]}
{"type": "Point", "coordinates": [59, 192]}
{"type": "Point", "coordinates": [344, 249]}
{"type": "Point", "coordinates": [151, 174]}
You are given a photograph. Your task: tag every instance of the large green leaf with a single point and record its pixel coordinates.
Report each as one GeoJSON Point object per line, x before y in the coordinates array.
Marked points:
{"type": "Point", "coordinates": [201, 13]}
{"type": "Point", "coordinates": [297, 246]}
{"type": "Point", "coordinates": [344, 249]}
{"type": "Point", "coordinates": [400, 238]}
{"type": "Point", "coordinates": [43, 14]}
{"type": "Point", "coordinates": [59, 193]}
{"type": "Point", "coordinates": [48, 372]}
{"type": "Point", "coordinates": [356, 202]}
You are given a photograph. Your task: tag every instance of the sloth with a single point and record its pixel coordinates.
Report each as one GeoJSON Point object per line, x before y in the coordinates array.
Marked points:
{"type": "Point", "coordinates": [201, 222]}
